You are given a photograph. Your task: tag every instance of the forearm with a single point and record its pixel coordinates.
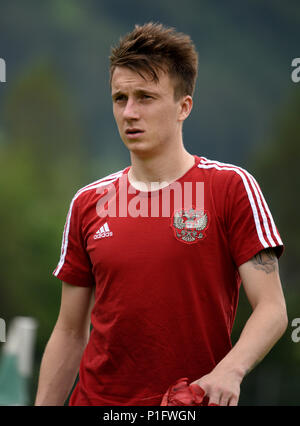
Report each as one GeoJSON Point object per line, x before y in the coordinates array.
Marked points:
{"type": "Point", "coordinates": [263, 329]}
{"type": "Point", "coordinates": [59, 367]}
{"type": "Point", "coordinates": [268, 321]}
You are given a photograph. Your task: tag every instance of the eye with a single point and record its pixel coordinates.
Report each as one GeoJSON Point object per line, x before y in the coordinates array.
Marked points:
{"type": "Point", "coordinates": [120, 98]}
{"type": "Point", "coordinates": [145, 97]}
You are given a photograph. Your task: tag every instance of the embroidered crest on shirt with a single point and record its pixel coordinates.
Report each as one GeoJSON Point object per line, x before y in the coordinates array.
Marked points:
{"type": "Point", "coordinates": [189, 225]}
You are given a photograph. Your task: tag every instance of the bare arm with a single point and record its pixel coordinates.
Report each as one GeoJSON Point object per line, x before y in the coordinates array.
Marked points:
{"type": "Point", "coordinates": [266, 324]}
{"type": "Point", "coordinates": [64, 349]}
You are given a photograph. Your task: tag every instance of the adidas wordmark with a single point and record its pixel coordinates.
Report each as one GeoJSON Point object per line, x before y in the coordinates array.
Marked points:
{"type": "Point", "coordinates": [103, 232]}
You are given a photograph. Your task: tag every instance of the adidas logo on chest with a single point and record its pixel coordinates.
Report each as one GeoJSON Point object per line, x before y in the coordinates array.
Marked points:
{"type": "Point", "coordinates": [103, 232]}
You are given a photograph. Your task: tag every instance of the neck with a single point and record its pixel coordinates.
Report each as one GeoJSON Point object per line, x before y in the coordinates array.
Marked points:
{"type": "Point", "coordinates": [161, 169]}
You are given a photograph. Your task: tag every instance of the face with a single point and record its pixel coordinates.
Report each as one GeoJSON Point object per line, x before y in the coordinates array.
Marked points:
{"type": "Point", "coordinates": [148, 117]}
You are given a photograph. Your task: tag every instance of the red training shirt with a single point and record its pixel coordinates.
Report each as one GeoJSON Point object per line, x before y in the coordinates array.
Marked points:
{"type": "Point", "coordinates": [166, 287]}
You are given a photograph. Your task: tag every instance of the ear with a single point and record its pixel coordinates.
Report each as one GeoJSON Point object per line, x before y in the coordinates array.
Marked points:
{"type": "Point", "coordinates": [185, 107]}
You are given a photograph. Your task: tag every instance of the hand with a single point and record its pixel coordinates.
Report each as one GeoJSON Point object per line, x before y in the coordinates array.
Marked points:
{"type": "Point", "coordinates": [221, 387]}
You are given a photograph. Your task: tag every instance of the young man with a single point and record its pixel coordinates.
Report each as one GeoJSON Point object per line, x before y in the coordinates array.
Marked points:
{"type": "Point", "coordinates": [159, 280]}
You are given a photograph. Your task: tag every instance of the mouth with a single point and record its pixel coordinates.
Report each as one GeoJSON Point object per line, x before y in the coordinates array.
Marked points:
{"type": "Point", "coordinates": [133, 133]}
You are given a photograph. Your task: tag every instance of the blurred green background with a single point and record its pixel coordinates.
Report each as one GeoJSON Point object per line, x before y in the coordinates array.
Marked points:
{"type": "Point", "coordinates": [57, 134]}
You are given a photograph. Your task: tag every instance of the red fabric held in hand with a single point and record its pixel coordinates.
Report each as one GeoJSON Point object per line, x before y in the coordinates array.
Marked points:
{"type": "Point", "coordinates": [180, 393]}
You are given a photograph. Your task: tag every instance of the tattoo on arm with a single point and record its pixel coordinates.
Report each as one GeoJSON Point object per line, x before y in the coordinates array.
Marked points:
{"type": "Point", "coordinates": [265, 260]}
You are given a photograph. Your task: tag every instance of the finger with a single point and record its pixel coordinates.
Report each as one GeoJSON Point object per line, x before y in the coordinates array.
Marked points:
{"type": "Point", "coordinates": [224, 400]}
{"type": "Point", "coordinates": [233, 402]}
{"type": "Point", "coordinates": [214, 399]}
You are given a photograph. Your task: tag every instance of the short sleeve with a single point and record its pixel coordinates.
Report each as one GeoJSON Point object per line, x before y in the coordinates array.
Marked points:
{"type": "Point", "coordinates": [74, 266]}
{"type": "Point", "coordinates": [250, 224]}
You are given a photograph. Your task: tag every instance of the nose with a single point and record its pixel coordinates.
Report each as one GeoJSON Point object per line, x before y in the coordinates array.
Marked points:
{"type": "Point", "coordinates": [131, 111]}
